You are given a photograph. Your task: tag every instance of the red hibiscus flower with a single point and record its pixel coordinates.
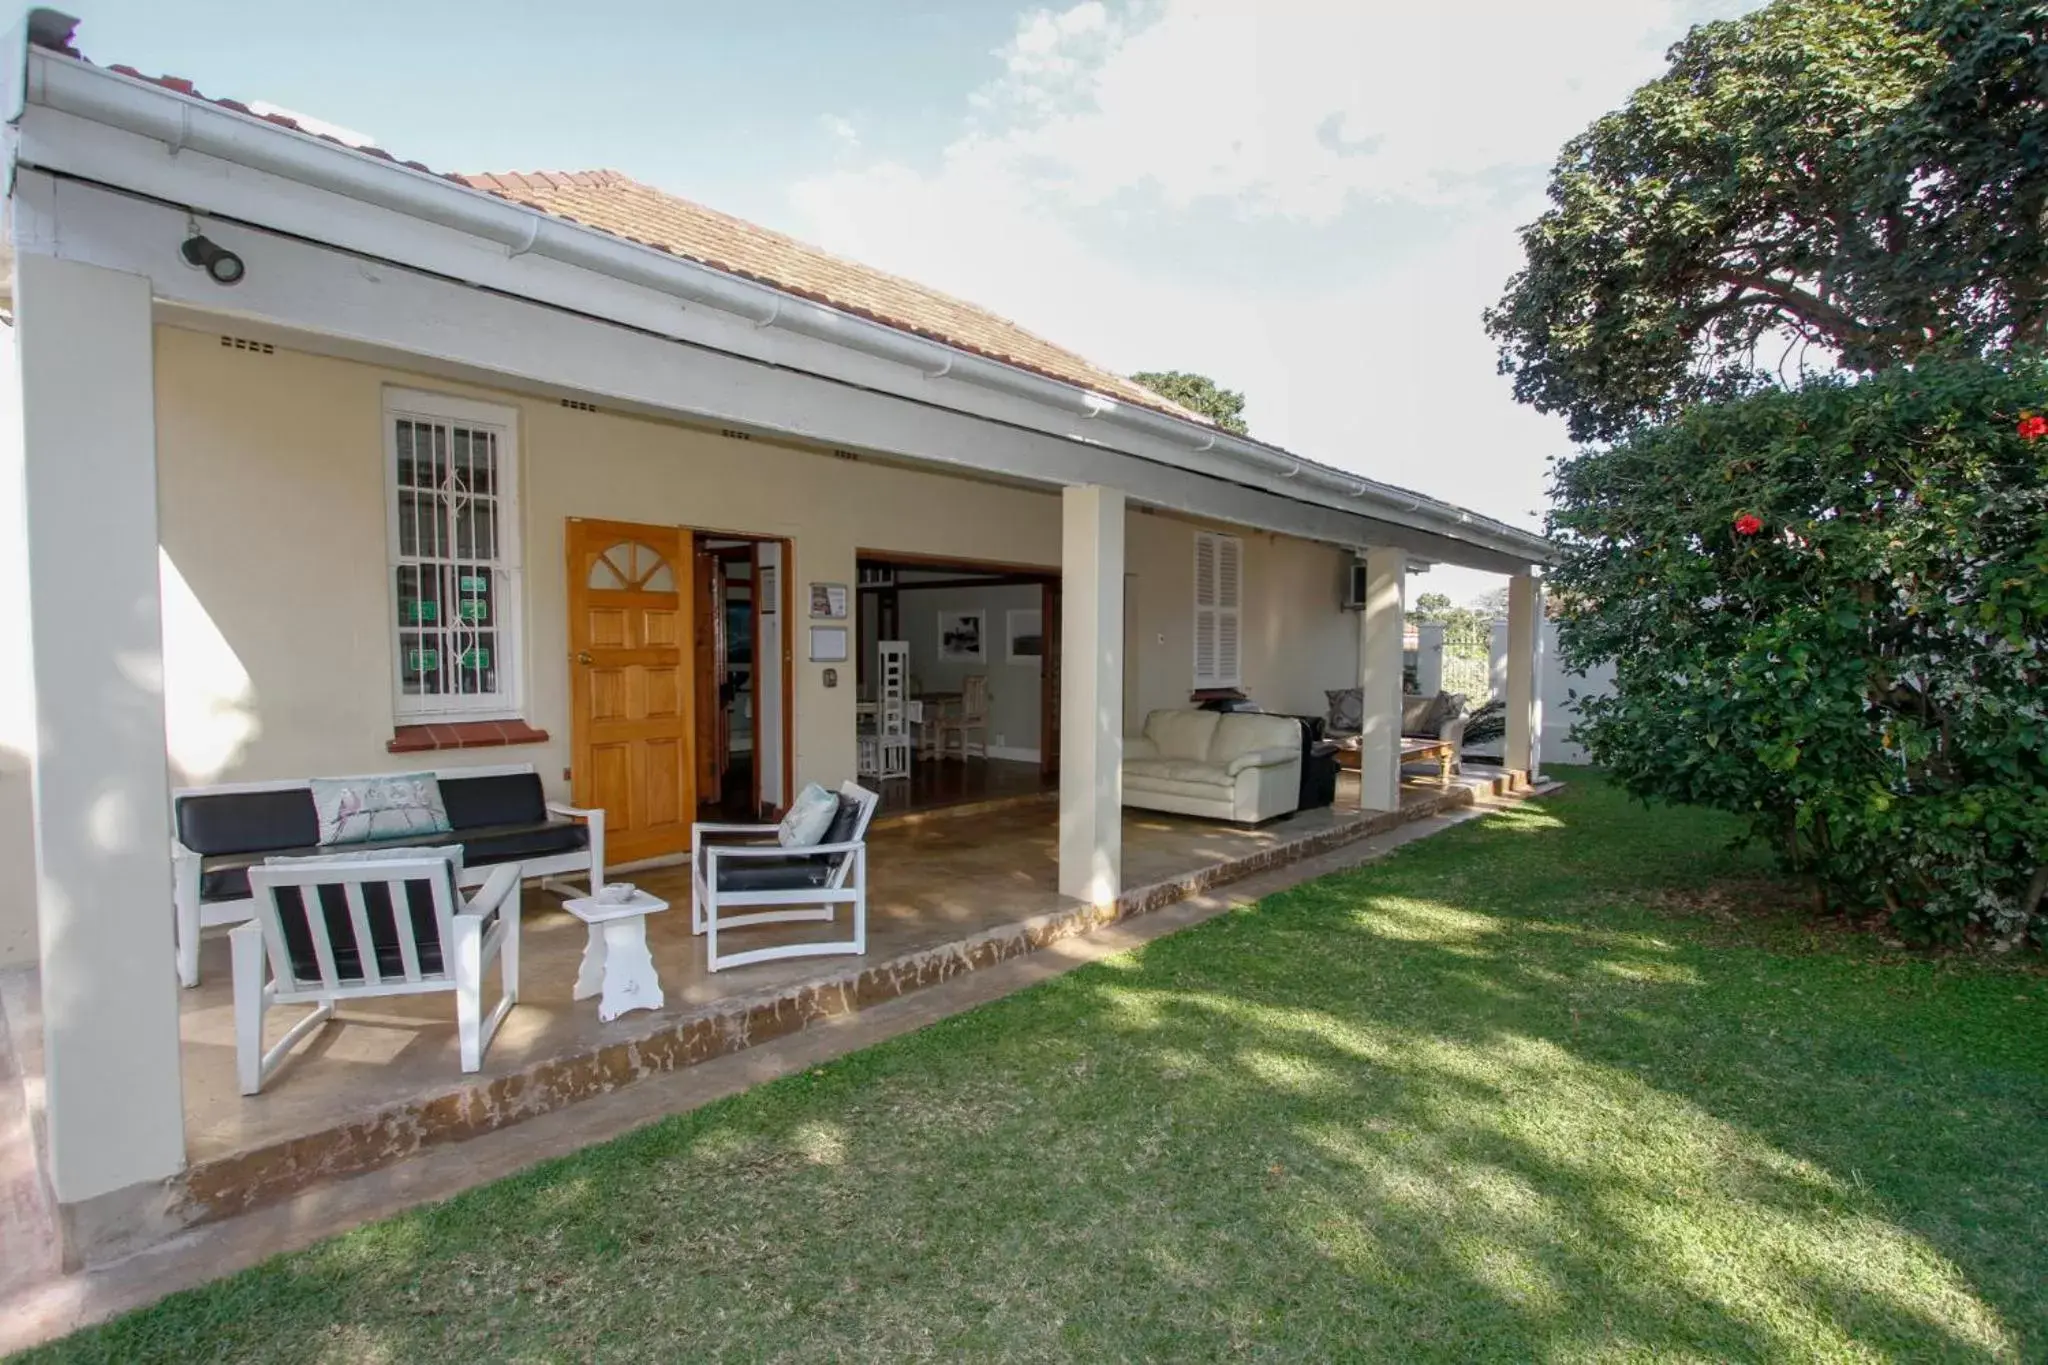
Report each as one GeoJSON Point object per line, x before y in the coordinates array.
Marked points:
{"type": "Point", "coordinates": [2033, 427]}
{"type": "Point", "coordinates": [1747, 525]}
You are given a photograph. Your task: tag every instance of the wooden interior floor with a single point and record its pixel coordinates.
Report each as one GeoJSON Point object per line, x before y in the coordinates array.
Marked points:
{"type": "Point", "coordinates": [934, 784]}
{"type": "Point", "coordinates": [734, 804]}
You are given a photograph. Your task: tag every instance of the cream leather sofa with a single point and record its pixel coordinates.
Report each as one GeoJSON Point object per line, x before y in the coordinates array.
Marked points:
{"type": "Point", "coordinates": [1238, 767]}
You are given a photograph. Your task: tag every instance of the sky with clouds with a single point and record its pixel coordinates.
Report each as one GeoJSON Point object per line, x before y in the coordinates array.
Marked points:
{"type": "Point", "coordinates": [1311, 202]}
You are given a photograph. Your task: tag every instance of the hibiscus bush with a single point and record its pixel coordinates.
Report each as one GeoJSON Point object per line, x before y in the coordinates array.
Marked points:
{"type": "Point", "coordinates": [1826, 609]}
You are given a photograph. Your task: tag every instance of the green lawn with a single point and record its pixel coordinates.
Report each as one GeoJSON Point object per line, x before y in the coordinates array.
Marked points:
{"type": "Point", "coordinates": [1557, 1085]}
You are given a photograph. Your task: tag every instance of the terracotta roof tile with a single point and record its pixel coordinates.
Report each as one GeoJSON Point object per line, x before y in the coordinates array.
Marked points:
{"type": "Point", "coordinates": [617, 203]}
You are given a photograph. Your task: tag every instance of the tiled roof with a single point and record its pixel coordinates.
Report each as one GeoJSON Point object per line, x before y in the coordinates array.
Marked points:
{"type": "Point", "coordinates": [620, 204]}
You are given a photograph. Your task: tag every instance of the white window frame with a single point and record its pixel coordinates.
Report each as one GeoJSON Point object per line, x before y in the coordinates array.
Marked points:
{"type": "Point", "coordinates": [505, 703]}
{"type": "Point", "coordinates": [1228, 672]}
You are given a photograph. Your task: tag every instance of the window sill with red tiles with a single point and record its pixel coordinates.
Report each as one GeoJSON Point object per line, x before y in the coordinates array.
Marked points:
{"type": "Point", "coordinates": [463, 734]}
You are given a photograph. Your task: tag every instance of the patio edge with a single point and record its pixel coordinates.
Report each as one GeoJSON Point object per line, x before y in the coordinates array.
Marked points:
{"type": "Point", "coordinates": [213, 1189]}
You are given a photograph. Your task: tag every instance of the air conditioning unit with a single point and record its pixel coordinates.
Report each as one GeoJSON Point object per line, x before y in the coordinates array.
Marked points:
{"type": "Point", "coordinates": [1354, 586]}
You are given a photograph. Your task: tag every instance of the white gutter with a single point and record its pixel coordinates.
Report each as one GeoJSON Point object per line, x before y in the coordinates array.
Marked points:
{"type": "Point", "coordinates": [76, 87]}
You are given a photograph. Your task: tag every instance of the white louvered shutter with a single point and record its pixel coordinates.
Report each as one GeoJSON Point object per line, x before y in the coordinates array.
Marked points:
{"type": "Point", "coordinates": [1219, 596]}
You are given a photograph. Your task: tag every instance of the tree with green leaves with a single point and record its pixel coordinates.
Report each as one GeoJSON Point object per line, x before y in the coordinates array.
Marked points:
{"type": "Point", "coordinates": [1827, 609]}
{"type": "Point", "coordinates": [1850, 183]}
{"type": "Point", "coordinates": [1198, 393]}
{"type": "Point", "coordinates": [1430, 606]}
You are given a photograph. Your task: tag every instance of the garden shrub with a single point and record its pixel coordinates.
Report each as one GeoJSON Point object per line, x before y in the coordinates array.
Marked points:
{"type": "Point", "coordinates": [1826, 610]}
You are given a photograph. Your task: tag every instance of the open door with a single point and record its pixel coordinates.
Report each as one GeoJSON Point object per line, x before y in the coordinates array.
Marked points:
{"type": "Point", "coordinates": [708, 589]}
{"type": "Point", "coordinates": [632, 707]}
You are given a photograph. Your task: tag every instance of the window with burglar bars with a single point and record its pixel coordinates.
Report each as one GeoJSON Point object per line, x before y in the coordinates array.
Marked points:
{"type": "Point", "coordinates": [454, 555]}
{"type": "Point", "coordinates": [1219, 595]}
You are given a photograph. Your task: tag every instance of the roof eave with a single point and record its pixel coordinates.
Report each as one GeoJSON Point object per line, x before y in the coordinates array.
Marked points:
{"type": "Point", "coordinates": [183, 121]}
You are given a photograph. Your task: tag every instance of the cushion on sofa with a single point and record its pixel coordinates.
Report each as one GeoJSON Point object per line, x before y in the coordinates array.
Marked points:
{"type": "Point", "coordinates": [1182, 770]}
{"type": "Point", "coordinates": [378, 806]}
{"type": "Point", "coordinates": [498, 799]}
{"type": "Point", "coordinates": [1221, 794]}
{"type": "Point", "coordinates": [1274, 757]}
{"type": "Point", "coordinates": [1182, 734]}
{"type": "Point", "coordinates": [1419, 714]}
{"type": "Point", "coordinates": [225, 876]}
{"type": "Point", "coordinates": [248, 822]}
{"type": "Point", "coordinates": [1243, 731]}
{"type": "Point", "coordinates": [1346, 714]}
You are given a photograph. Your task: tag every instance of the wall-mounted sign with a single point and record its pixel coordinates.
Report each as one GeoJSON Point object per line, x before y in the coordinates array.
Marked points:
{"type": "Point", "coordinates": [473, 583]}
{"type": "Point", "coordinates": [828, 601]}
{"type": "Point", "coordinates": [475, 658]}
{"type": "Point", "coordinates": [828, 644]}
{"type": "Point", "coordinates": [474, 609]}
{"type": "Point", "coordinates": [423, 661]}
{"type": "Point", "coordinates": [414, 611]}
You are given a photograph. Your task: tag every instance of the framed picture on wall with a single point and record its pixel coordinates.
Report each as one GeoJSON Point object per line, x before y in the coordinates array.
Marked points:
{"type": "Point", "coordinates": [1024, 628]}
{"type": "Point", "coordinates": [828, 601]}
{"type": "Point", "coordinates": [962, 636]}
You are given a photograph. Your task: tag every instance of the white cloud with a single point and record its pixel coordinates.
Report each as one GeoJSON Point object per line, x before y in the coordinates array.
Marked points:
{"type": "Point", "coordinates": [841, 132]}
{"type": "Point", "coordinates": [1259, 133]}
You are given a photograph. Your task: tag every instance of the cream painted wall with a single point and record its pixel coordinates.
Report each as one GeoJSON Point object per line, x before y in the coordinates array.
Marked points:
{"type": "Point", "coordinates": [273, 514]}
{"type": "Point", "coordinates": [277, 647]}
{"type": "Point", "coordinates": [1298, 641]}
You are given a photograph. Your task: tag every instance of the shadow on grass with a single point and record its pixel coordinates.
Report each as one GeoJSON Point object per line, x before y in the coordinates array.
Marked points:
{"type": "Point", "coordinates": [1481, 1101]}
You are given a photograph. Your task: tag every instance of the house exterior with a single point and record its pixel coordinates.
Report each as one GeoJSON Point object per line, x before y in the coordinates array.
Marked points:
{"type": "Point", "coordinates": [217, 523]}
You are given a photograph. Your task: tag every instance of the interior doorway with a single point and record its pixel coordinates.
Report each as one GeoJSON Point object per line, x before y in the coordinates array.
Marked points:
{"type": "Point", "coordinates": [743, 676]}
{"type": "Point", "coordinates": [983, 646]}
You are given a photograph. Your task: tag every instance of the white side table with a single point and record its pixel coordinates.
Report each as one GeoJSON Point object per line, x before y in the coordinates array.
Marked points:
{"type": "Point", "coordinates": [616, 960]}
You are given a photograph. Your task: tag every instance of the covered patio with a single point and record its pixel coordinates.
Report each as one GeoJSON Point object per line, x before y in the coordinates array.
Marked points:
{"type": "Point", "coordinates": [950, 895]}
{"type": "Point", "coordinates": [183, 449]}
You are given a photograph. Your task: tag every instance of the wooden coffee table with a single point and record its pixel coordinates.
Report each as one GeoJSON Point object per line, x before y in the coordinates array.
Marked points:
{"type": "Point", "coordinates": [1413, 750]}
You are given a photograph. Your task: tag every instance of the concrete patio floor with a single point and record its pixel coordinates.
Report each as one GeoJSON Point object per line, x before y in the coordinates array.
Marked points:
{"type": "Point", "coordinates": [382, 1082]}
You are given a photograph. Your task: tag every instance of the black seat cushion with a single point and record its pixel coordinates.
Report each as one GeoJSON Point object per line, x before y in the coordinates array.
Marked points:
{"type": "Point", "coordinates": [248, 822]}
{"type": "Point", "coordinates": [341, 934]}
{"type": "Point", "coordinates": [485, 846]}
{"type": "Point", "coordinates": [796, 873]}
{"type": "Point", "coordinates": [844, 821]}
{"type": "Point", "coordinates": [225, 876]}
{"type": "Point", "coordinates": [501, 799]}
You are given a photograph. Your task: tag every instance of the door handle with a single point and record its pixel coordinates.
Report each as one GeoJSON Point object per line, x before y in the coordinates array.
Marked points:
{"type": "Point", "coordinates": [583, 657]}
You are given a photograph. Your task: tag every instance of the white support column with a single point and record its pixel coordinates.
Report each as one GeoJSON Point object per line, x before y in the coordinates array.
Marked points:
{"type": "Point", "coordinates": [1524, 692]}
{"type": "Point", "coordinates": [1379, 678]}
{"type": "Point", "coordinates": [1429, 658]}
{"type": "Point", "coordinates": [102, 825]}
{"type": "Point", "coordinates": [1091, 694]}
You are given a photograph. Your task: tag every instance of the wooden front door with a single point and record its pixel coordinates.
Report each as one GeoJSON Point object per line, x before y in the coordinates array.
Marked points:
{"type": "Point", "coordinates": [631, 700]}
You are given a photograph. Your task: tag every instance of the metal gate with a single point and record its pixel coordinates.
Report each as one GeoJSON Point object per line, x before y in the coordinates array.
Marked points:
{"type": "Point", "coordinates": [1468, 663]}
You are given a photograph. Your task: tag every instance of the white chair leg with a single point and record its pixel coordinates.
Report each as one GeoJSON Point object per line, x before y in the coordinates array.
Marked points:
{"type": "Point", "coordinates": [469, 991]}
{"type": "Point", "coordinates": [188, 942]}
{"type": "Point", "coordinates": [711, 931]}
{"type": "Point", "coordinates": [508, 951]}
{"type": "Point", "coordinates": [860, 901]}
{"type": "Point", "coordinates": [245, 943]}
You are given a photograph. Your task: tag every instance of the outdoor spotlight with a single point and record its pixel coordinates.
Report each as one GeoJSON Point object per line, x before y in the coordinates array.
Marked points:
{"type": "Point", "coordinates": [216, 260]}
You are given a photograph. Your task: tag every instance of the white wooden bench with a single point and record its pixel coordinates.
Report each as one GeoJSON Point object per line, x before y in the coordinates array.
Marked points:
{"type": "Point", "coordinates": [499, 815]}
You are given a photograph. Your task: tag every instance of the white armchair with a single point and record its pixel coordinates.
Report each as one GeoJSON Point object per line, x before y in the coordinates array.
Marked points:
{"type": "Point", "coordinates": [351, 928]}
{"type": "Point", "coordinates": [740, 876]}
